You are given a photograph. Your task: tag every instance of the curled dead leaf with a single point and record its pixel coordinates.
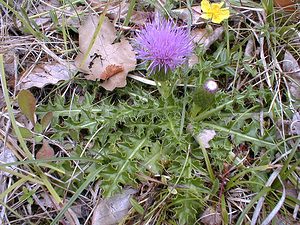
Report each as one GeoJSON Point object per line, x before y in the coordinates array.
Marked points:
{"type": "Point", "coordinates": [110, 71]}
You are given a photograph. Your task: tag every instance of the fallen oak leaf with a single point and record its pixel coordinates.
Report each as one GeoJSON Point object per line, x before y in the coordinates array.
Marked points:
{"type": "Point", "coordinates": [113, 82]}
{"type": "Point", "coordinates": [103, 54]}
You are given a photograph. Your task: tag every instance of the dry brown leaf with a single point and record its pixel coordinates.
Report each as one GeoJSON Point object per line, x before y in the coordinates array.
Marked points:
{"type": "Point", "coordinates": [47, 201]}
{"type": "Point", "coordinates": [2, 101]}
{"type": "Point", "coordinates": [206, 39]}
{"type": "Point", "coordinates": [112, 210]}
{"type": "Point", "coordinates": [6, 156]}
{"type": "Point", "coordinates": [193, 59]}
{"type": "Point", "coordinates": [105, 59]}
{"type": "Point", "coordinates": [249, 50]}
{"type": "Point", "coordinates": [45, 152]}
{"type": "Point", "coordinates": [117, 9]}
{"type": "Point", "coordinates": [10, 62]}
{"type": "Point", "coordinates": [44, 74]}
{"type": "Point", "coordinates": [184, 13]}
{"type": "Point", "coordinates": [204, 137]}
{"type": "Point", "coordinates": [295, 125]}
{"type": "Point", "coordinates": [211, 217]}
{"type": "Point", "coordinates": [292, 68]}
{"type": "Point", "coordinates": [141, 17]}
{"type": "Point", "coordinates": [287, 5]}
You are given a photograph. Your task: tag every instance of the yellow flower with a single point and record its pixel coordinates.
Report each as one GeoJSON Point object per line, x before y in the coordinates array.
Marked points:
{"type": "Point", "coordinates": [214, 11]}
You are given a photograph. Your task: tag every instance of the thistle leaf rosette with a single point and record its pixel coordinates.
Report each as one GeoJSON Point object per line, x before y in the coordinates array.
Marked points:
{"type": "Point", "coordinates": [163, 45]}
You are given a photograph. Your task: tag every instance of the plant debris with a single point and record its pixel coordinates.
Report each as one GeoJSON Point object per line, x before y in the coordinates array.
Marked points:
{"type": "Point", "coordinates": [44, 74]}
{"type": "Point", "coordinates": [292, 69]}
{"type": "Point", "coordinates": [205, 131]}
{"type": "Point", "coordinates": [45, 152]}
{"type": "Point", "coordinates": [105, 60]}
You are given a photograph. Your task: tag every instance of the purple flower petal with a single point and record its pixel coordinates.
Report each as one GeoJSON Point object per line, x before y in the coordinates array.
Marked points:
{"type": "Point", "coordinates": [164, 45]}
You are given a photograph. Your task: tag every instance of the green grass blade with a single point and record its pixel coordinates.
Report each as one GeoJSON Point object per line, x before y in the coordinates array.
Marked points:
{"type": "Point", "coordinates": [88, 180]}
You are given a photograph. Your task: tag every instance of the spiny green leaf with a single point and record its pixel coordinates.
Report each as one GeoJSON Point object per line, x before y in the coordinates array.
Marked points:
{"type": "Point", "coordinates": [124, 167]}
{"type": "Point", "coordinates": [186, 207]}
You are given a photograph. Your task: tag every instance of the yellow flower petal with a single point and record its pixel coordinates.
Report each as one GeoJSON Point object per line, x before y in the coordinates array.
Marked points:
{"type": "Point", "coordinates": [207, 16]}
{"type": "Point", "coordinates": [217, 5]}
{"type": "Point", "coordinates": [222, 15]}
{"type": "Point", "coordinates": [214, 11]}
{"type": "Point", "coordinates": [205, 6]}
{"type": "Point", "coordinates": [225, 13]}
{"type": "Point", "coordinates": [217, 19]}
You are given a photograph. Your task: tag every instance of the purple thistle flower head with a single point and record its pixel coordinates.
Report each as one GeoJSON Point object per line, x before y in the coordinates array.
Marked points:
{"type": "Point", "coordinates": [163, 45]}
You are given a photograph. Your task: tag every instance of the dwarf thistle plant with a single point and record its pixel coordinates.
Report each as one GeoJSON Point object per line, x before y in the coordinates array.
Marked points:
{"type": "Point", "coordinates": [163, 45]}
